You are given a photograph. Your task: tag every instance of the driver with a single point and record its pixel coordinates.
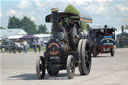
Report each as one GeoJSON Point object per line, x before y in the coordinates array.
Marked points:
{"type": "Point", "coordinates": [62, 22]}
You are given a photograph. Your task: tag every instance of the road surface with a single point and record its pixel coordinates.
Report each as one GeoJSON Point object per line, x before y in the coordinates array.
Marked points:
{"type": "Point", "coordinates": [19, 69]}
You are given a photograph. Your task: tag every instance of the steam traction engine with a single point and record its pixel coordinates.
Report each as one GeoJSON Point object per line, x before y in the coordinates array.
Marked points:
{"type": "Point", "coordinates": [65, 49]}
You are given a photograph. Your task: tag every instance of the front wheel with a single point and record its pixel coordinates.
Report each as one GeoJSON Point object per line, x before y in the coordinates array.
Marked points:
{"type": "Point", "coordinates": [70, 66]}
{"type": "Point", "coordinates": [40, 67]}
{"type": "Point", "coordinates": [112, 51]}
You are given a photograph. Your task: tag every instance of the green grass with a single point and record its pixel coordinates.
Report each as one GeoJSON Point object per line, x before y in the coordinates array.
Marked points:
{"type": "Point", "coordinates": [29, 50]}
{"type": "Point", "coordinates": [32, 50]}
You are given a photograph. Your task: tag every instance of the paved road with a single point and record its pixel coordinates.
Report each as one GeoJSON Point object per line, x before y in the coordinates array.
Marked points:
{"type": "Point", "coordinates": [19, 69]}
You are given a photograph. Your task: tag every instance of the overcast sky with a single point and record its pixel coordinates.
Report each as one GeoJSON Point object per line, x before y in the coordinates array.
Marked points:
{"type": "Point", "coordinates": [110, 12]}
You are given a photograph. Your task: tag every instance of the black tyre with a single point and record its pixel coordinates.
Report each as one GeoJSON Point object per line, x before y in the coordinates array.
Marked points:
{"type": "Point", "coordinates": [112, 52]}
{"type": "Point", "coordinates": [70, 67]}
{"type": "Point", "coordinates": [86, 57]}
{"type": "Point", "coordinates": [40, 67]}
{"type": "Point", "coordinates": [80, 54]}
{"type": "Point", "coordinates": [52, 71]}
{"type": "Point", "coordinates": [94, 52]}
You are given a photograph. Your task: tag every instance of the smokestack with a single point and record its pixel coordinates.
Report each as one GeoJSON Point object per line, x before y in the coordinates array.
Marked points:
{"type": "Point", "coordinates": [122, 28]}
{"type": "Point", "coordinates": [55, 21]}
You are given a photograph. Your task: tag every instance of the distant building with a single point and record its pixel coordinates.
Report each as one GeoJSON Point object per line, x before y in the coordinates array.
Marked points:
{"type": "Point", "coordinates": [12, 33]}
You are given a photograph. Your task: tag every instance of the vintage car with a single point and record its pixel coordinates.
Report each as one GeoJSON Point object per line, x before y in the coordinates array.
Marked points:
{"type": "Point", "coordinates": [66, 49]}
{"type": "Point", "coordinates": [10, 46]}
{"type": "Point", "coordinates": [102, 40]}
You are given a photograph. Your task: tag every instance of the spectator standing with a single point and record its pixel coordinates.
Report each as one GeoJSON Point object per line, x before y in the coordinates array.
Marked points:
{"type": "Point", "coordinates": [42, 43]}
{"type": "Point", "coordinates": [34, 43]}
{"type": "Point", "coordinates": [18, 46]}
{"type": "Point", "coordinates": [38, 45]}
{"type": "Point", "coordinates": [25, 46]}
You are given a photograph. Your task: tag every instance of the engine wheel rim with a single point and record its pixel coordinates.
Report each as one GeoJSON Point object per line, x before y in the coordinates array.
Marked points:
{"type": "Point", "coordinates": [88, 61]}
{"type": "Point", "coordinates": [86, 58]}
{"type": "Point", "coordinates": [41, 67]}
{"type": "Point", "coordinates": [72, 67]}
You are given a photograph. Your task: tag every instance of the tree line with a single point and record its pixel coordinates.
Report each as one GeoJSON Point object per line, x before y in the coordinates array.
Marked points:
{"type": "Point", "coordinates": [26, 24]}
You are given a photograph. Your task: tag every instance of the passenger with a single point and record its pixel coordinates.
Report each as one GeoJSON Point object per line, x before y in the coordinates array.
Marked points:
{"type": "Point", "coordinates": [99, 33]}
{"type": "Point", "coordinates": [61, 25]}
{"type": "Point", "coordinates": [72, 23]}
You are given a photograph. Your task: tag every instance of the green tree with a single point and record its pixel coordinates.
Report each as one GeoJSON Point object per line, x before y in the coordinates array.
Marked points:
{"type": "Point", "coordinates": [28, 25]}
{"type": "Point", "coordinates": [42, 29]}
{"type": "Point", "coordinates": [2, 27]}
{"type": "Point", "coordinates": [70, 8]}
{"type": "Point", "coordinates": [14, 22]}
{"type": "Point", "coordinates": [84, 25]}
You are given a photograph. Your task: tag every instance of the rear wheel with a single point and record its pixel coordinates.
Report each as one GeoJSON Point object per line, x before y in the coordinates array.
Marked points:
{"type": "Point", "coordinates": [70, 66]}
{"type": "Point", "coordinates": [40, 67]}
{"type": "Point", "coordinates": [86, 57]}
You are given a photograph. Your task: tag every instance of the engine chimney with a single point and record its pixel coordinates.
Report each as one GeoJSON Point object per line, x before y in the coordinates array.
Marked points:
{"type": "Point", "coordinates": [55, 21]}
{"type": "Point", "coordinates": [122, 28]}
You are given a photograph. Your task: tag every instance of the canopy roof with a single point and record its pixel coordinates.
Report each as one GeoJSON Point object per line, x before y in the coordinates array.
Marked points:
{"type": "Point", "coordinates": [74, 16]}
{"type": "Point", "coordinates": [29, 37]}
{"type": "Point", "coordinates": [114, 29]}
{"type": "Point", "coordinates": [85, 18]}
{"type": "Point", "coordinates": [15, 37]}
{"type": "Point", "coordinates": [48, 18]}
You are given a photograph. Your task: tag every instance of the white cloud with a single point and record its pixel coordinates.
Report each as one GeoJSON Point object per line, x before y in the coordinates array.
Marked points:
{"type": "Point", "coordinates": [123, 10]}
{"type": "Point", "coordinates": [123, 7]}
{"type": "Point", "coordinates": [103, 0]}
{"type": "Point", "coordinates": [38, 3]}
{"type": "Point", "coordinates": [17, 13]}
{"type": "Point", "coordinates": [85, 2]}
{"type": "Point", "coordinates": [11, 12]}
{"type": "Point", "coordinates": [79, 2]}
{"type": "Point", "coordinates": [0, 13]}
{"type": "Point", "coordinates": [97, 7]}
{"type": "Point", "coordinates": [24, 4]}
